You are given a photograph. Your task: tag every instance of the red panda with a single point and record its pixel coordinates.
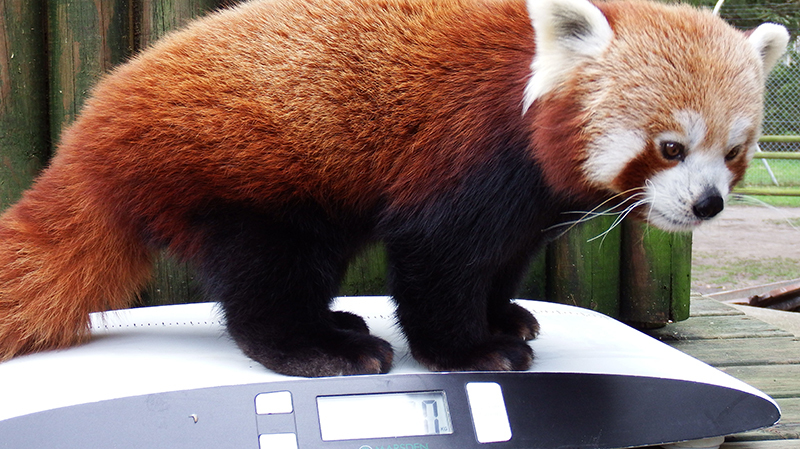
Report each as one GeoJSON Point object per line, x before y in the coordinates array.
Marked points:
{"type": "Point", "coordinates": [268, 143]}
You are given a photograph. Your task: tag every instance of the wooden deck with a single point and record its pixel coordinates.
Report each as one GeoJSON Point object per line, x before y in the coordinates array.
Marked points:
{"type": "Point", "coordinates": [760, 354]}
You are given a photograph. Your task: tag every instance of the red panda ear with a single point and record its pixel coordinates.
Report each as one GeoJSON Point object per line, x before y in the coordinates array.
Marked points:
{"type": "Point", "coordinates": [769, 41]}
{"type": "Point", "coordinates": [567, 33]}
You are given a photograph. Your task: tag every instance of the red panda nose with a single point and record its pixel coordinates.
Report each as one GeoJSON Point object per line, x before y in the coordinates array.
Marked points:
{"type": "Point", "coordinates": [709, 206]}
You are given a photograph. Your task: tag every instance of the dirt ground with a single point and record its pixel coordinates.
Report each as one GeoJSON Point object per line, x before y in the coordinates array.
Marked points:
{"type": "Point", "coordinates": [746, 246]}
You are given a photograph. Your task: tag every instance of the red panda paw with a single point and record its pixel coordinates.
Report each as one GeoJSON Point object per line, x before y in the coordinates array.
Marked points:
{"type": "Point", "coordinates": [349, 321]}
{"type": "Point", "coordinates": [515, 321]}
{"type": "Point", "coordinates": [334, 353]}
{"type": "Point", "coordinates": [499, 353]}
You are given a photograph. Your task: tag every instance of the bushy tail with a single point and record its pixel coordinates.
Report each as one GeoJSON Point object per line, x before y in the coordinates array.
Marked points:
{"type": "Point", "coordinates": [63, 255]}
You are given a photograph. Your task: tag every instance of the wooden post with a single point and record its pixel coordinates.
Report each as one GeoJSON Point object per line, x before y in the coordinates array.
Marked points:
{"type": "Point", "coordinates": [173, 282]}
{"type": "Point", "coordinates": [656, 272]}
{"type": "Point", "coordinates": [158, 17]}
{"type": "Point", "coordinates": [534, 285]}
{"type": "Point", "coordinates": [24, 135]}
{"type": "Point", "coordinates": [86, 40]}
{"type": "Point", "coordinates": [583, 267]}
{"type": "Point", "coordinates": [366, 275]}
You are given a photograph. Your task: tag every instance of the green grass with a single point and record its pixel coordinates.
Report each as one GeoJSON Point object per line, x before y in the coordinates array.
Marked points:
{"type": "Point", "coordinates": [734, 271]}
{"type": "Point", "coordinates": [776, 201]}
{"type": "Point", "coordinates": [787, 172]}
{"type": "Point", "coordinates": [793, 222]}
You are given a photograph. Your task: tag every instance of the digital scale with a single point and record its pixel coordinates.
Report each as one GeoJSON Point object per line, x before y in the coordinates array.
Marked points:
{"type": "Point", "coordinates": [171, 377]}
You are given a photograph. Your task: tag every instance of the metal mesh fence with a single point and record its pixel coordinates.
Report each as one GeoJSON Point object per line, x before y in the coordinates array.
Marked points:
{"type": "Point", "coordinates": [781, 118]}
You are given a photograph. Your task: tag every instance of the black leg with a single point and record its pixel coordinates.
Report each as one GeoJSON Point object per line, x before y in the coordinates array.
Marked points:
{"type": "Point", "coordinates": [442, 294]}
{"type": "Point", "coordinates": [504, 316]}
{"type": "Point", "coordinates": [275, 280]}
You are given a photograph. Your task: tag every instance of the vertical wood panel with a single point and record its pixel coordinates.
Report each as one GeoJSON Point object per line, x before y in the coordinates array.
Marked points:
{"type": "Point", "coordinates": [24, 128]}
{"type": "Point", "coordinates": [583, 267]}
{"type": "Point", "coordinates": [534, 285]}
{"type": "Point", "coordinates": [681, 276]}
{"type": "Point", "coordinates": [87, 38]}
{"type": "Point", "coordinates": [366, 275]}
{"type": "Point", "coordinates": [158, 17]}
{"type": "Point", "coordinates": [656, 270]}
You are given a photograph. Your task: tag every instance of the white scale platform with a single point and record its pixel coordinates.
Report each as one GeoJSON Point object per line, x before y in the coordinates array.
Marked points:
{"type": "Point", "coordinates": [170, 377]}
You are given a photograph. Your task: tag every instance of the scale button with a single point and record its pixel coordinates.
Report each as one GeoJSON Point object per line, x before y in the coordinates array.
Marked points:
{"type": "Point", "coordinates": [274, 403]}
{"type": "Point", "coordinates": [277, 441]}
{"type": "Point", "coordinates": [489, 413]}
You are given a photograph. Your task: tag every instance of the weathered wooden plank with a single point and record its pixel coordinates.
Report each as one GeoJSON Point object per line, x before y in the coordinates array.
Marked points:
{"type": "Point", "coordinates": [24, 137]}
{"type": "Point", "coordinates": [534, 286]}
{"type": "Point", "coordinates": [86, 40]}
{"type": "Point", "coordinates": [743, 294]}
{"type": "Point", "coordinates": [755, 352]}
{"type": "Point", "coordinates": [656, 269]}
{"type": "Point", "coordinates": [680, 275]}
{"type": "Point", "coordinates": [583, 267]}
{"type": "Point", "coordinates": [717, 327]}
{"type": "Point", "coordinates": [711, 307]}
{"type": "Point", "coordinates": [366, 275]}
{"type": "Point", "coordinates": [742, 351]}
{"type": "Point", "coordinates": [764, 444]}
{"type": "Point", "coordinates": [158, 17]}
{"type": "Point", "coordinates": [778, 381]}
{"type": "Point", "coordinates": [172, 283]}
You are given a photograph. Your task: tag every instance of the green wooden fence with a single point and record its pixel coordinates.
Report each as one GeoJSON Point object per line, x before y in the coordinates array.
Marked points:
{"type": "Point", "coordinates": [53, 51]}
{"type": "Point", "coordinates": [781, 167]}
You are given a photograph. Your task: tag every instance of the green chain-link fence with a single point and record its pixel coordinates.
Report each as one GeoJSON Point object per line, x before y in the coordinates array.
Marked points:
{"type": "Point", "coordinates": [777, 171]}
{"type": "Point", "coordinates": [781, 127]}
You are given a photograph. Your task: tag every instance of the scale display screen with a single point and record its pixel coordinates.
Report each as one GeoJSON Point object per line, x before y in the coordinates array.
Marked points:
{"type": "Point", "coordinates": [383, 415]}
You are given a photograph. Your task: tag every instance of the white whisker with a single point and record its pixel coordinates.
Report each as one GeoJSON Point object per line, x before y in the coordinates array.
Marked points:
{"type": "Point", "coordinates": [620, 217]}
{"type": "Point", "coordinates": [757, 202]}
{"type": "Point", "coordinates": [652, 188]}
{"type": "Point", "coordinates": [636, 195]}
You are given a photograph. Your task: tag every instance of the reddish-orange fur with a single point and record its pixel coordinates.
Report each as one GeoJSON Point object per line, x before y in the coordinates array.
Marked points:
{"type": "Point", "coordinates": [561, 151]}
{"type": "Point", "coordinates": [160, 134]}
{"type": "Point", "coordinates": [352, 108]}
{"type": "Point", "coordinates": [62, 259]}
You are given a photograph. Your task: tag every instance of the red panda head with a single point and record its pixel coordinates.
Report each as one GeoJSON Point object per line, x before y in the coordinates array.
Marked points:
{"type": "Point", "coordinates": [661, 104]}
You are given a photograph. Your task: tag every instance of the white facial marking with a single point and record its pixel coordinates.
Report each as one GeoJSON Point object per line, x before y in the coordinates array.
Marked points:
{"type": "Point", "coordinates": [741, 127]}
{"type": "Point", "coordinates": [694, 127]}
{"type": "Point", "coordinates": [612, 152]}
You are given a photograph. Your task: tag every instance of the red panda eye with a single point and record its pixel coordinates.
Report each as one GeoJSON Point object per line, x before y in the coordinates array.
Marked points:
{"type": "Point", "coordinates": [673, 151]}
{"type": "Point", "coordinates": [733, 153]}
